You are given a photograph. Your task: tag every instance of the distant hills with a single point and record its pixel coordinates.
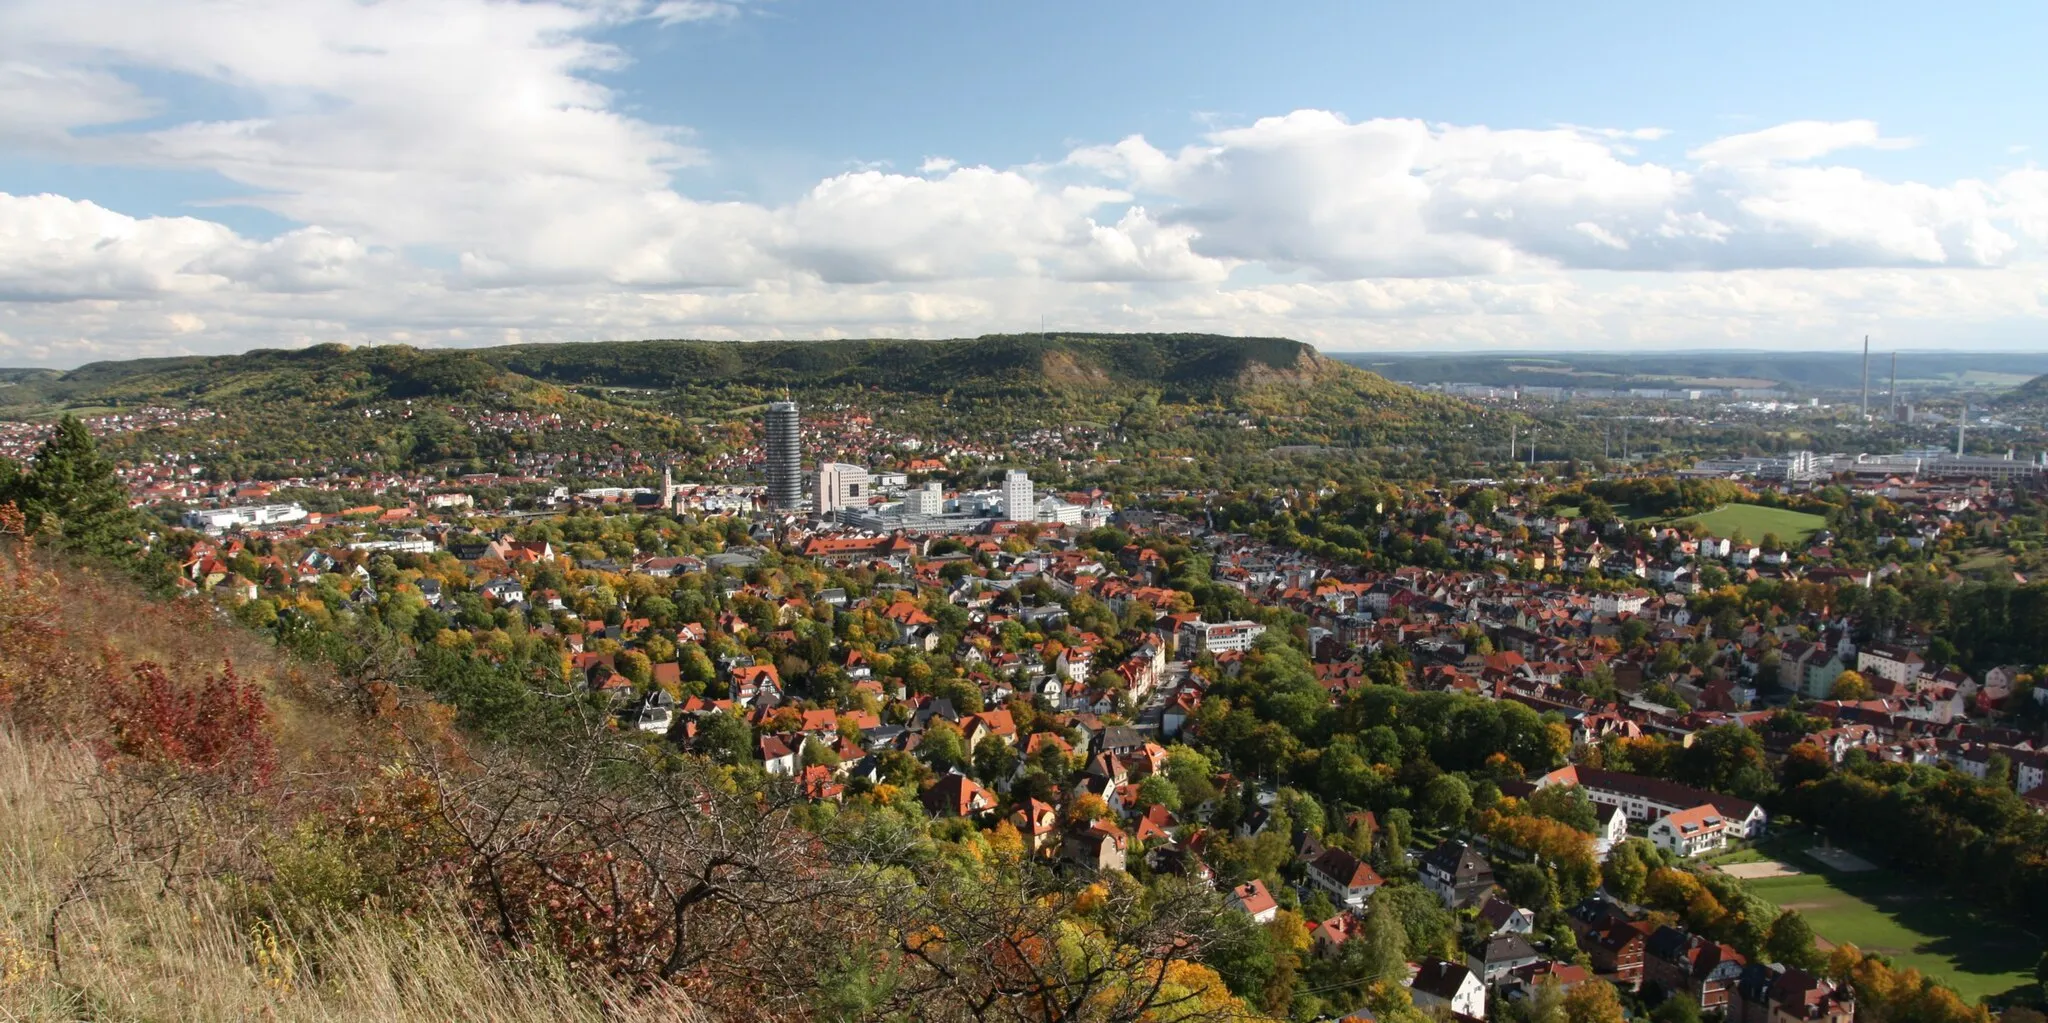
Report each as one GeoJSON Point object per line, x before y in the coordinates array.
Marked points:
{"type": "Point", "coordinates": [1192, 368]}
{"type": "Point", "coordinates": [1919, 372]}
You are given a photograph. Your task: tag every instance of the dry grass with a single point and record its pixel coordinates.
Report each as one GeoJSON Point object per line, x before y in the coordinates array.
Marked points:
{"type": "Point", "coordinates": [130, 954]}
{"type": "Point", "coordinates": [134, 948]}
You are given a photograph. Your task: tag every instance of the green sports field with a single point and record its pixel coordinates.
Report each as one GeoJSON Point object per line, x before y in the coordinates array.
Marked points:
{"type": "Point", "coordinates": [1879, 911]}
{"type": "Point", "coordinates": [1753, 521]}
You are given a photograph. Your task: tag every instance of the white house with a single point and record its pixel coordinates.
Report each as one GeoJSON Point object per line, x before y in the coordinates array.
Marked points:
{"type": "Point", "coordinates": [1450, 985]}
{"type": "Point", "coordinates": [1612, 830]}
{"type": "Point", "coordinates": [1349, 881]}
{"type": "Point", "coordinates": [1255, 901]}
{"type": "Point", "coordinates": [1693, 831]}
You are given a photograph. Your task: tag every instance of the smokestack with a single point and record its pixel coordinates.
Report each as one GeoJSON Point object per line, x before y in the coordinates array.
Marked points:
{"type": "Point", "coordinates": [1893, 413]}
{"type": "Point", "coordinates": [1863, 407]}
{"type": "Point", "coordinates": [1961, 425]}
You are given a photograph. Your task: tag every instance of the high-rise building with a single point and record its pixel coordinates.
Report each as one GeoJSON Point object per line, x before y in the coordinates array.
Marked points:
{"type": "Point", "coordinates": [929, 499]}
{"type": "Point", "coordinates": [841, 486]}
{"type": "Point", "coordinates": [1017, 496]}
{"type": "Point", "coordinates": [785, 457]}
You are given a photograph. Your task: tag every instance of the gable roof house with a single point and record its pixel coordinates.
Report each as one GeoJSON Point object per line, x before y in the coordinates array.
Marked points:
{"type": "Point", "coordinates": [1499, 954]}
{"type": "Point", "coordinates": [1447, 984]}
{"type": "Point", "coordinates": [1098, 846]}
{"type": "Point", "coordinates": [1254, 901]}
{"type": "Point", "coordinates": [1349, 881]}
{"type": "Point", "coordinates": [1457, 874]}
{"type": "Point", "coordinates": [1705, 971]}
{"type": "Point", "coordinates": [1776, 993]}
{"type": "Point", "coordinates": [1691, 832]}
{"type": "Point", "coordinates": [957, 795]}
{"type": "Point", "coordinates": [1505, 917]}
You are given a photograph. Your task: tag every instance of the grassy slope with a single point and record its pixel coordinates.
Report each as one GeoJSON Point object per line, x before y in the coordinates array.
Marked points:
{"type": "Point", "coordinates": [131, 953]}
{"type": "Point", "coordinates": [1879, 911]}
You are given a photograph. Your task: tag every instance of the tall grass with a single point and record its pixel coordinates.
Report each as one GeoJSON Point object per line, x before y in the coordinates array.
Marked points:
{"type": "Point", "coordinates": [127, 952]}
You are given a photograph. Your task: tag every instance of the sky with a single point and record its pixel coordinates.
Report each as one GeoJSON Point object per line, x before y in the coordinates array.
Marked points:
{"type": "Point", "coordinates": [203, 176]}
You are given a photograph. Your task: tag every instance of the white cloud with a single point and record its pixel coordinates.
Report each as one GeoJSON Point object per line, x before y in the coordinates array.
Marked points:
{"type": "Point", "coordinates": [1796, 141]}
{"type": "Point", "coordinates": [54, 249]}
{"type": "Point", "coordinates": [480, 129]}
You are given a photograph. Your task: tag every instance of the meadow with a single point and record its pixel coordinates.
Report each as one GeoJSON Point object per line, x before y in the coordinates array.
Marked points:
{"type": "Point", "coordinates": [1755, 521]}
{"type": "Point", "coordinates": [1910, 923]}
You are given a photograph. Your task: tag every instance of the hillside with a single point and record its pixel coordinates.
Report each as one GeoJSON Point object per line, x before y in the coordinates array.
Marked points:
{"type": "Point", "coordinates": [1179, 367]}
{"type": "Point", "coordinates": [2033, 392]}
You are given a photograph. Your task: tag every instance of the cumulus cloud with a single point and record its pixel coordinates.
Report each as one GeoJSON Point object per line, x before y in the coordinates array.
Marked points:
{"type": "Point", "coordinates": [482, 130]}
{"type": "Point", "coordinates": [1313, 191]}
{"type": "Point", "coordinates": [55, 249]}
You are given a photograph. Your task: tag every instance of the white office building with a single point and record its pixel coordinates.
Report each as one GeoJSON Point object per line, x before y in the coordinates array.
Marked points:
{"type": "Point", "coordinates": [1017, 496]}
{"type": "Point", "coordinates": [220, 520]}
{"type": "Point", "coordinates": [842, 486]}
{"type": "Point", "coordinates": [1052, 509]}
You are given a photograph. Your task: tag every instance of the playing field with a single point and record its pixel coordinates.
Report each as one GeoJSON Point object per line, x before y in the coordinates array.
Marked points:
{"type": "Point", "coordinates": [1753, 521]}
{"type": "Point", "coordinates": [1879, 911]}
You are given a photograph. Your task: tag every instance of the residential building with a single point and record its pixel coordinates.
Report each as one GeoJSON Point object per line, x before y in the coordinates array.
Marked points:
{"type": "Point", "coordinates": [1505, 917]}
{"type": "Point", "coordinates": [1457, 874]}
{"type": "Point", "coordinates": [1255, 901]}
{"type": "Point", "coordinates": [1690, 832]}
{"type": "Point", "coordinates": [1650, 799]}
{"type": "Point", "coordinates": [1348, 881]}
{"type": "Point", "coordinates": [1450, 985]}
{"type": "Point", "coordinates": [1702, 970]}
{"type": "Point", "coordinates": [1499, 954]}
{"type": "Point", "coordinates": [1220, 637]}
{"type": "Point", "coordinates": [1776, 993]}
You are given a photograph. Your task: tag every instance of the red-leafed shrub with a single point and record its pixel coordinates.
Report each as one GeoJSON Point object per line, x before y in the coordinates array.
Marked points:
{"type": "Point", "coordinates": [220, 728]}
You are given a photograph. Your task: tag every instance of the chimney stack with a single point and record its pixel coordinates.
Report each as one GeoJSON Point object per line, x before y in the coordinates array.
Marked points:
{"type": "Point", "coordinates": [1863, 406]}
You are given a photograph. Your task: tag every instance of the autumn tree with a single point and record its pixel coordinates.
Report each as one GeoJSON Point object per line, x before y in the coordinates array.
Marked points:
{"type": "Point", "coordinates": [1850, 685]}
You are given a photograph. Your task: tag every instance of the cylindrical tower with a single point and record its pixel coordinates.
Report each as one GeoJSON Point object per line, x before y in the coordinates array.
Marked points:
{"type": "Point", "coordinates": [785, 457]}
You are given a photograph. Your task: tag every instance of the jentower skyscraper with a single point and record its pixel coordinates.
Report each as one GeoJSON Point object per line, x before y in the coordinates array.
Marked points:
{"type": "Point", "coordinates": [785, 457]}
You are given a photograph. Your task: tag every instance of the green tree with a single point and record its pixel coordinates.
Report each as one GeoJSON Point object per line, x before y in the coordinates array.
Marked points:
{"type": "Point", "coordinates": [70, 490]}
{"type": "Point", "coordinates": [1628, 867]}
{"type": "Point", "coordinates": [1790, 941]}
{"type": "Point", "coordinates": [1430, 929]}
{"type": "Point", "coordinates": [726, 738]}
{"type": "Point", "coordinates": [1446, 800]}
{"type": "Point", "coordinates": [1397, 830]}
{"type": "Point", "coordinates": [1677, 1008]}
{"type": "Point", "coordinates": [995, 759]}
{"type": "Point", "coordinates": [943, 746]}
{"type": "Point", "coordinates": [636, 667]}
{"type": "Point", "coordinates": [1386, 949]}
{"type": "Point", "coordinates": [817, 754]}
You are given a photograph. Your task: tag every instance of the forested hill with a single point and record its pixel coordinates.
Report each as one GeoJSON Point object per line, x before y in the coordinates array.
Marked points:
{"type": "Point", "coordinates": [2033, 392]}
{"type": "Point", "coordinates": [1178, 367]}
